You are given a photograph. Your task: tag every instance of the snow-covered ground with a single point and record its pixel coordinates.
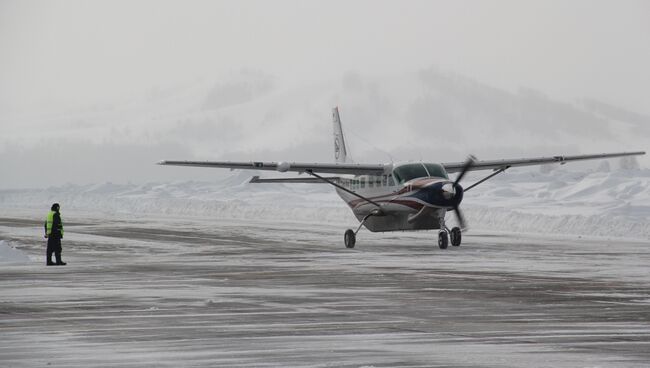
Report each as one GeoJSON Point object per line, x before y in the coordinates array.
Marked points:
{"type": "Point", "coordinates": [11, 255]}
{"type": "Point", "coordinates": [565, 200]}
{"type": "Point", "coordinates": [170, 291]}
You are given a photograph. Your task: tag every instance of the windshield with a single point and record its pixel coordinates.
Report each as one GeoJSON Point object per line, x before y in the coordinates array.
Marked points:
{"type": "Point", "coordinates": [408, 172]}
{"type": "Point", "coordinates": [436, 170]}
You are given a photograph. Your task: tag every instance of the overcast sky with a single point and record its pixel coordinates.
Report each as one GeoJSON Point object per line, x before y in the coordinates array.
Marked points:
{"type": "Point", "coordinates": [66, 55]}
{"type": "Point", "coordinates": [67, 52]}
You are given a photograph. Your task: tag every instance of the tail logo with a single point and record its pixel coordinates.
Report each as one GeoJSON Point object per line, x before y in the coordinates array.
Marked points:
{"type": "Point", "coordinates": [337, 148]}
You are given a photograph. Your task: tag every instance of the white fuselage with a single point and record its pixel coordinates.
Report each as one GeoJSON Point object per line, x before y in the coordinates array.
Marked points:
{"type": "Point", "coordinates": [405, 203]}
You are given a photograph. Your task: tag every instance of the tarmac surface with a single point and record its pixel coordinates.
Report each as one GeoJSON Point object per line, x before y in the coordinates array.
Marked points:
{"type": "Point", "coordinates": [197, 293]}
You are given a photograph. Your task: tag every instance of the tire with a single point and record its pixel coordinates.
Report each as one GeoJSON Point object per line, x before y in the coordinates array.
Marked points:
{"type": "Point", "coordinates": [456, 237]}
{"type": "Point", "coordinates": [349, 238]}
{"type": "Point", "coordinates": [442, 240]}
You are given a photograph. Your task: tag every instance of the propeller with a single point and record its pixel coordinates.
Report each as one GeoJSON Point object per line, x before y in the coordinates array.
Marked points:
{"type": "Point", "coordinates": [468, 164]}
{"type": "Point", "coordinates": [459, 191]}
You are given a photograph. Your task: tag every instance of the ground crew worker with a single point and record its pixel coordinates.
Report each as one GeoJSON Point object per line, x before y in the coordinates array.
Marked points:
{"type": "Point", "coordinates": [54, 234]}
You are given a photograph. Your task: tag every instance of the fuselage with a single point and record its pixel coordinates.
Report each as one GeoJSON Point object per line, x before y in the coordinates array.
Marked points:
{"type": "Point", "coordinates": [412, 196]}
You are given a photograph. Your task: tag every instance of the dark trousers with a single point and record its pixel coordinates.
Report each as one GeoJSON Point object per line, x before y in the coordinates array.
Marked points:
{"type": "Point", "coordinates": [54, 246]}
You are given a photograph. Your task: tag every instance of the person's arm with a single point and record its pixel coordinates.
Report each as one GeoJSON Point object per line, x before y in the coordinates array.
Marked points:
{"type": "Point", "coordinates": [56, 225]}
{"type": "Point", "coordinates": [45, 228]}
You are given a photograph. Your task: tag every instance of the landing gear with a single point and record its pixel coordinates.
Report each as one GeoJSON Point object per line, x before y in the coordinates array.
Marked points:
{"type": "Point", "coordinates": [350, 238]}
{"type": "Point", "coordinates": [455, 236]}
{"type": "Point", "coordinates": [445, 234]}
{"type": "Point", "coordinates": [442, 240]}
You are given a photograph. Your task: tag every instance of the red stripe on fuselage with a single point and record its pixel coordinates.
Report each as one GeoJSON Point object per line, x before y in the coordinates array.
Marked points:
{"type": "Point", "coordinates": [408, 187]}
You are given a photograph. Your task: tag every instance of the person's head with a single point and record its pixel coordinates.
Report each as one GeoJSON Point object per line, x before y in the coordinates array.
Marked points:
{"type": "Point", "coordinates": [55, 207]}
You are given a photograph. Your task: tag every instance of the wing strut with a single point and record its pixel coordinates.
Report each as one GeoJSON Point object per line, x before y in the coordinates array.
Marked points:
{"type": "Point", "coordinates": [487, 177]}
{"type": "Point", "coordinates": [342, 188]}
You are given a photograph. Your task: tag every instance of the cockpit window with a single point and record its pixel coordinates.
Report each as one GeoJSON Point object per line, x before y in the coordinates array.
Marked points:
{"type": "Point", "coordinates": [408, 172]}
{"type": "Point", "coordinates": [436, 170]}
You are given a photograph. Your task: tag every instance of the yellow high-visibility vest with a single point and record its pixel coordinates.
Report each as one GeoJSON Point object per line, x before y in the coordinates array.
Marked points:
{"type": "Point", "coordinates": [49, 222]}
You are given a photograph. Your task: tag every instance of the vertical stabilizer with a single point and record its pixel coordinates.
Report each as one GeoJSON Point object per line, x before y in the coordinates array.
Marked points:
{"type": "Point", "coordinates": [340, 150]}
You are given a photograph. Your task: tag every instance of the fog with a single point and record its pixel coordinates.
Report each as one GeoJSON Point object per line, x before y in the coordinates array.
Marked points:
{"type": "Point", "coordinates": [99, 91]}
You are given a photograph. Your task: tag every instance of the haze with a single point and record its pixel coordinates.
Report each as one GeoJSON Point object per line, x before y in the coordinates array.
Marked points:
{"type": "Point", "coordinates": [96, 91]}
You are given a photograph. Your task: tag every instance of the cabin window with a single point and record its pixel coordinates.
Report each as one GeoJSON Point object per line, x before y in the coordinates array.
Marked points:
{"type": "Point", "coordinates": [370, 182]}
{"type": "Point", "coordinates": [363, 182]}
{"type": "Point", "coordinates": [384, 180]}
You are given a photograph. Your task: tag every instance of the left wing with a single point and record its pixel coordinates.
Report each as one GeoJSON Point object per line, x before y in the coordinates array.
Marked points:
{"type": "Point", "coordinates": [352, 169]}
{"type": "Point", "coordinates": [256, 180]}
{"type": "Point", "coordinates": [452, 167]}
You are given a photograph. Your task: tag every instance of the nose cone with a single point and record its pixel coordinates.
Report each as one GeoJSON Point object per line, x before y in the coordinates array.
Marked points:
{"type": "Point", "coordinates": [451, 194]}
{"type": "Point", "coordinates": [442, 194]}
{"type": "Point", "coordinates": [448, 191]}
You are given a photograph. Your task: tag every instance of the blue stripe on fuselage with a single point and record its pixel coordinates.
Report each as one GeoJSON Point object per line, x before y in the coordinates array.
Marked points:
{"type": "Point", "coordinates": [432, 195]}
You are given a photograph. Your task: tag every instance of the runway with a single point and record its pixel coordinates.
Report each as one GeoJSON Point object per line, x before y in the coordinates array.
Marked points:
{"type": "Point", "coordinates": [203, 293]}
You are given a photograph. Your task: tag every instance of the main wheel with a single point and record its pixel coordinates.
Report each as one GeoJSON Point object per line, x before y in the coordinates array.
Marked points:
{"type": "Point", "coordinates": [455, 236]}
{"type": "Point", "coordinates": [349, 238]}
{"type": "Point", "coordinates": [442, 240]}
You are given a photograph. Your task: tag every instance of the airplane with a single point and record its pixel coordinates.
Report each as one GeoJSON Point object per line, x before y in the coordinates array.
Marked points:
{"type": "Point", "coordinates": [394, 196]}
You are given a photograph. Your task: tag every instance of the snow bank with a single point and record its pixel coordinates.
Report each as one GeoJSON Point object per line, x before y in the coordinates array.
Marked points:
{"type": "Point", "coordinates": [561, 201]}
{"type": "Point", "coordinates": [9, 254]}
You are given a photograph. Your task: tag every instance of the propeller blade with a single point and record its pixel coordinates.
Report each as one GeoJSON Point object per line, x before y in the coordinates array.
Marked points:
{"type": "Point", "coordinates": [460, 217]}
{"type": "Point", "coordinates": [466, 167]}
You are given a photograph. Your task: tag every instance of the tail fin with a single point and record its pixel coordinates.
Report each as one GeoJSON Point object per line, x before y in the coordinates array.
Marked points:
{"type": "Point", "coordinates": [340, 150]}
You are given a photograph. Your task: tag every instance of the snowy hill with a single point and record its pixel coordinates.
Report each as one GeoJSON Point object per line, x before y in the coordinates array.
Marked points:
{"type": "Point", "coordinates": [429, 114]}
{"type": "Point", "coordinates": [615, 203]}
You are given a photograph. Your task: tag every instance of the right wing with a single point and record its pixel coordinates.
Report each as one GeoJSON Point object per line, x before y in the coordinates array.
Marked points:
{"type": "Point", "coordinates": [352, 169]}
{"type": "Point", "coordinates": [452, 167]}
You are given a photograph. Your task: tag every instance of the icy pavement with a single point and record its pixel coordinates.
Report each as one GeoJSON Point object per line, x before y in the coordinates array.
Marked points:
{"type": "Point", "coordinates": [204, 293]}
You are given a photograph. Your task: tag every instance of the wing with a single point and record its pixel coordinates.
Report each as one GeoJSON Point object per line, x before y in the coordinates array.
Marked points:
{"type": "Point", "coordinates": [352, 169]}
{"type": "Point", "coordinates": [498, 164]}
{"type": "Point", "coordinates": [257, 179]}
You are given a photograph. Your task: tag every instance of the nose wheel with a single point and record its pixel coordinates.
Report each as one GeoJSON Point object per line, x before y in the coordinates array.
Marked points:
{"type": "Point", "coordinates": [445, 234]}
